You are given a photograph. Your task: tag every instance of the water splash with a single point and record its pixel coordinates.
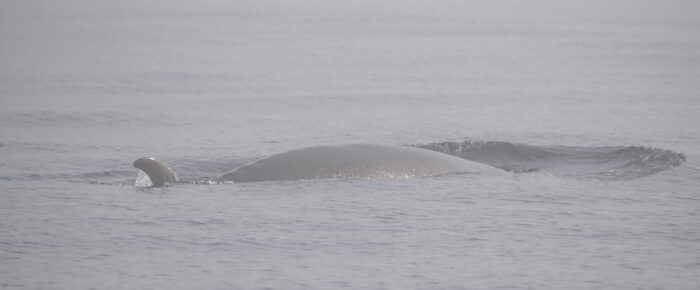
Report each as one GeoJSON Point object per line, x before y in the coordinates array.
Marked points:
{"type": "Point", "coordinates": [142, 179]}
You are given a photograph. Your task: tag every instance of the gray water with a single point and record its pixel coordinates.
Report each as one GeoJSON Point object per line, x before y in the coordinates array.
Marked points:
{"type": "Point", "coordinates": [591, 107]}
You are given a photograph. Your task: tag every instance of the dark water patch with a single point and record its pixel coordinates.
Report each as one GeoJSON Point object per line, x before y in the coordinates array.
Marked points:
{"type": "Point", "coordinates": [104, 177]}
{"type": "Point", "coordinates": [56, 147]}
{"type": "Point", "coordinates": [606, 163]}
{"type": "Point", "coordinates": [35, 177]}
{"type": "Point", "coordinates": [74, 117]}
{"type": "Point", "coordinates": [106, 174]}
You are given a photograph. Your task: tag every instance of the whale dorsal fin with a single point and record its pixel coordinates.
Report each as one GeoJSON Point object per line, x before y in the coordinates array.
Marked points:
{"type": "Point", "coordinates": [159, 174]}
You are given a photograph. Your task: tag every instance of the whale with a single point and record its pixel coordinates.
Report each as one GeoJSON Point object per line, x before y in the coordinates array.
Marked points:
{"type": "Point", "coordinates": [351, 161]}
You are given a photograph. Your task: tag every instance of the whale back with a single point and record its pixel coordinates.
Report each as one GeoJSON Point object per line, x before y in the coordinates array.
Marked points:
{"type": "Point", "coordinates": [357, 161]}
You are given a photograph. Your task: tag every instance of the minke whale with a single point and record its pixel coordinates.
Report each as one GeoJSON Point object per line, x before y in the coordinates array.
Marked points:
{"type": "Point", "coordinates": [354, 161]}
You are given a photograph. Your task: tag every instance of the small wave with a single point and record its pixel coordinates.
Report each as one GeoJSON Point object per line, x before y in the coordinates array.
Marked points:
{"type": "Point", "coordinates": [102, 117]}
{"type": "Point", "coordinates": [608, 163]}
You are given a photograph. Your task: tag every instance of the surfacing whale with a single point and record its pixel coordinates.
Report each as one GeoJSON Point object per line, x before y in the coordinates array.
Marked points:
{"type": "Point", "coordinates": [355, 161]}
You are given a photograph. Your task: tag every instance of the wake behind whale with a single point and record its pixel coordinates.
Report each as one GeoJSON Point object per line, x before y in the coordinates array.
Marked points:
{"type": "Point", "coordinates": [363, 161]}
{"type": "Point", "coordinates": [603, 163]}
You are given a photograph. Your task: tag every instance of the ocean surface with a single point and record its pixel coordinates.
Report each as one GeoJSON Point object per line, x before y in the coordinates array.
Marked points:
{"type": "Point", "coordinates": [591, 107]}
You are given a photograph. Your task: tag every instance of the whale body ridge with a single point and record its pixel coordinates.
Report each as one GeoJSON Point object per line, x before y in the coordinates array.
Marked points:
{"type": "Point", "coordinates": [353, 161]}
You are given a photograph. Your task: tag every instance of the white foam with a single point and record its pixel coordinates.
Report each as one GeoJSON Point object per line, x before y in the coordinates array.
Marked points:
{"type": "Point", "coordinates": [142, 179]}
